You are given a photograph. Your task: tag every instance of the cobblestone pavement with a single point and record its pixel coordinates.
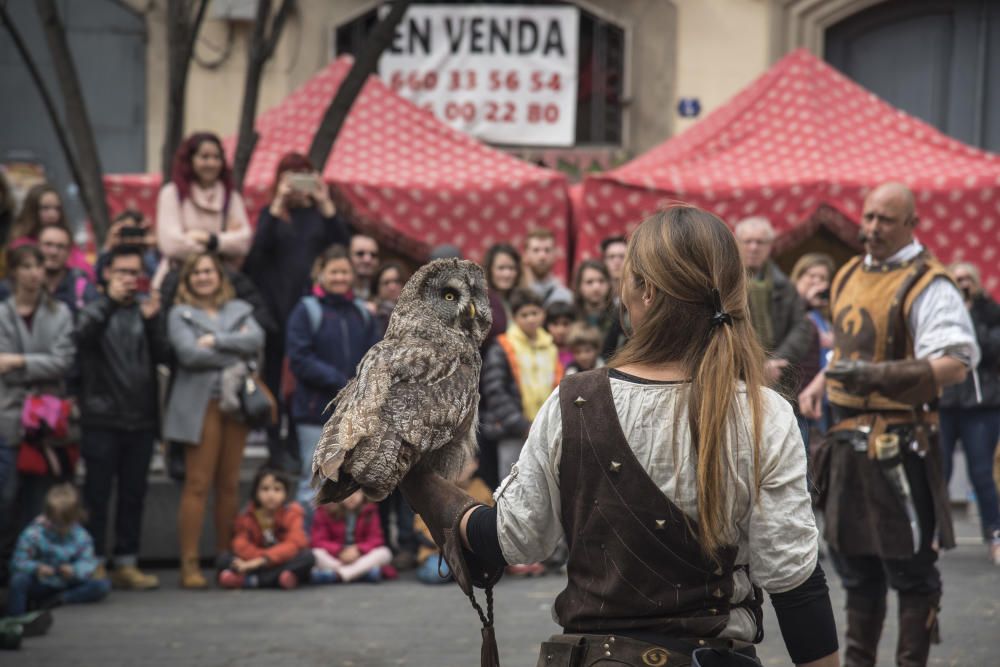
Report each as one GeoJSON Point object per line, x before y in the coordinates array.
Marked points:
{"type": "Point", "coordinates": [407, 623]}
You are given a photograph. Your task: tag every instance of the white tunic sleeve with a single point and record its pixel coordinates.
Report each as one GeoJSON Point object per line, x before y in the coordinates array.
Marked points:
{"type": "Point", "coordinates": [941, 325]}
{"type": "Point", "coordinates": [528, 501]}
{"type": "Point", "coordinates": [781, 531]}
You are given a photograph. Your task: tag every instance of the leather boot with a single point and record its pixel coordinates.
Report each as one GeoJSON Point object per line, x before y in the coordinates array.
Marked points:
{"type": "Point", "coordinates": [865, 616]}
{"type": "Point", "coordinates": [918, 628]}
{"type": "Point", "coordinates": [191, 576]}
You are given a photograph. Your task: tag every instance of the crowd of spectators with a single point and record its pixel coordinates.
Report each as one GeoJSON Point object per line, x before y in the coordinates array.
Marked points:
{"type": "Point", "coordinates": [296, 300]}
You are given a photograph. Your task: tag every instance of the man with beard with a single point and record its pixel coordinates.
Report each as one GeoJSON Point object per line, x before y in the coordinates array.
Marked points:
{"type": "Point", "coordinates": [901, 334]}
{"type": "Point", "coordinates": [69, 285]}
{"type": "Point", "coordinates": [539, 259]}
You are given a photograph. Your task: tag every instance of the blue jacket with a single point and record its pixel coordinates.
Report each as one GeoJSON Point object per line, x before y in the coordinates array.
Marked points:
{"type": "Point", "coordinates": [40, 544]}
{"type": "Point", "coordinates": [325, 360]}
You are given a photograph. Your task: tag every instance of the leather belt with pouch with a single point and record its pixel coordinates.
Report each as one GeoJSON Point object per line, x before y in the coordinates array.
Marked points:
{"type": "Point", "coordinates": [619, 651]}
{"type": "Point", "coordinates": [861, 431]}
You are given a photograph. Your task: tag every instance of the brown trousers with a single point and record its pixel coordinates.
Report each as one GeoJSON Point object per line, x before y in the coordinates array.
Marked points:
{"type": "Point", "coordinates": [214, 463]}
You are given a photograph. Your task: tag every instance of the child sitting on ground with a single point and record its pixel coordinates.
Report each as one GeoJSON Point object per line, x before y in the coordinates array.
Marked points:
{"type": "Point", "coordinates": [347, 542]}
{"type": "Point", "coordinates": [54, 560]}
{"type": "Point", "coordinates": [431, 569]}
{"type": "Point", "coordinates": [559, 317]}
{"type": "Point", "coordinates": [270, 547]}
{"type": "Point", "coordinates": [584, 341]}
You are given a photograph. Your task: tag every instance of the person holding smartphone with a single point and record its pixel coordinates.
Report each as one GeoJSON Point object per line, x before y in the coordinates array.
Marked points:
{"type": "Point", "coordinates": [299, 224]}
{"type": "Point", "coordinates": [132, 228]}
{"type": "Point", "coordinates": [120, 344]}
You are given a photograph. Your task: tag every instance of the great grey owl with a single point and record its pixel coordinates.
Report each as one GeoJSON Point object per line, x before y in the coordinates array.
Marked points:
{"type": "Point", "coordinates": [415, 397]}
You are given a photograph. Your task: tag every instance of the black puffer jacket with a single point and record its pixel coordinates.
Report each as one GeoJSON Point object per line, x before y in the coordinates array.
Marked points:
{"type": "Point", "coordinates": [500, 412]}
{"type": "Point", "coordinates": [118, 352]}
{"type": "Point", "coordinates": [985, 314]}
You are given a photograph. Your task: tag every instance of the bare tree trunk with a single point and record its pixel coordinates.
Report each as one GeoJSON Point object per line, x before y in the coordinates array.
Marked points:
{"type": "Point", "coordinates": [50, 106]}
{"type": "Point", "coordinates": [182, 34]}
{"type": "Point", "coordinates": [261, 49]}
{"type": "Point", "coordinates": [76, 117]}
{"type": "Point", "coordinates": [365, 63]}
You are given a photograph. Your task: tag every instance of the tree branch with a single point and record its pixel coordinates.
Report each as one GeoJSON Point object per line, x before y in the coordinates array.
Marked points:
{"type": "Point", "coordinates": [261, 48]}
{"type": "Point", "coordinates": [193, 27]}
{"type": "Point", "coordinates": [77, 118]}
{"type": "Point", "coordinates": [50, 106]}
{"type": "Point", "coordinates": [277, 27]}
{"type": "Point", "coordinates": [182, 34]}
{"type": "Point", "coordinates": [365, 64]}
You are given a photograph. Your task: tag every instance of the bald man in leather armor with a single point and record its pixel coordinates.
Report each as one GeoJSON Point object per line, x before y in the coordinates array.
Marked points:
{"type": "Point", "coordinates": [901, 334]}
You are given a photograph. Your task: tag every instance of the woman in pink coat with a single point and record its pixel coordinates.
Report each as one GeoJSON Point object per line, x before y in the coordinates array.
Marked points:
{"type": "Point", "coordinates": [199, 211]}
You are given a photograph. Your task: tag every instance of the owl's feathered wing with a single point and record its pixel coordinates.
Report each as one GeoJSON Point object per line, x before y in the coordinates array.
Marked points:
{"type": "Point", "coordinates": [408, 401]}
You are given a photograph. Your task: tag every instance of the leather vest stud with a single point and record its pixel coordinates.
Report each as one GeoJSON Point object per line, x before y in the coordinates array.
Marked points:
{"type": "Point", "coordinates": [634, 560]}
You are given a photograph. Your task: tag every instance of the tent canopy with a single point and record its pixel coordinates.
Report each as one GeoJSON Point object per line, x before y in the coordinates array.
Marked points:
{"type": "Point", "coordinates": [802, 145]}
{"type": "Point", "coordinates": [404, 175]}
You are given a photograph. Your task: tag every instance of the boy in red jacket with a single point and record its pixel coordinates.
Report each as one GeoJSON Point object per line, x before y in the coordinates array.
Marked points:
{"type": "Point", "coordinates": [347, 542]}
{"type": "Point", "coordinates": [270, 547]}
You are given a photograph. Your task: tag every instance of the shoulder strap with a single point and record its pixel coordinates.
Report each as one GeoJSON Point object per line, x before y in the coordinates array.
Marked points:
{"type": "Point", "coordinates": [315, 312]}
{"type": "Point", "coordinates": [366, 314]}
{"type": "Point", "coordinates": [845, 272]}
{"type": "Point", "coordinates": [79, 289]}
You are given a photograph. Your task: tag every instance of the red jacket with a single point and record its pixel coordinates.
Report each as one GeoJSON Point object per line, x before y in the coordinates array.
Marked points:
{"type": "Point", "coordinates": [329, 533]}
{"type": "Point", "coordinates": [290, 537]}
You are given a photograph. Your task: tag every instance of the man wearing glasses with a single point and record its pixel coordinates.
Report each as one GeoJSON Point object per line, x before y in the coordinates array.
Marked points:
{"type": "Point", "coordinates": [119, 344]}
{"type": "Point", "coordinates": [364, 259]}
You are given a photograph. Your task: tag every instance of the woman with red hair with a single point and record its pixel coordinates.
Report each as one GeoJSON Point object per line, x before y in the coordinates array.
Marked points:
{"type": "Point", "coordinates": [299, 224]}
{"type": "Point", "coordinates": [199, 211]}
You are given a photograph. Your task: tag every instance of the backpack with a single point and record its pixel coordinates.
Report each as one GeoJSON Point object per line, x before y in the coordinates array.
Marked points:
{"type": "Point", "coordinates": [314, 311]}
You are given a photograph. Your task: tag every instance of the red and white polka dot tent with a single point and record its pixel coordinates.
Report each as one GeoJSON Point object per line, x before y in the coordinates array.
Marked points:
{"type": "Point", "coordinates": [802, 145]}
{"type": "Point", "coordinates": [401, 173]}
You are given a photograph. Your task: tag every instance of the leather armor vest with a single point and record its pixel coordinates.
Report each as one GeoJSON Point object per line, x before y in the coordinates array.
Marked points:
{"type": "Point", "coordinates": [635, 562]}
{"type": "Point", "coordinates": [870, 308]}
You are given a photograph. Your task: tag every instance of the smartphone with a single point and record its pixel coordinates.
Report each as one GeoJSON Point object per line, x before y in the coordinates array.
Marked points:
{"type": "Point", "coordinates": [303, 182]}
{"type": "Point", "coordinates": [134, 234]}
{"type": "Point", "coordinates": [142, 285]}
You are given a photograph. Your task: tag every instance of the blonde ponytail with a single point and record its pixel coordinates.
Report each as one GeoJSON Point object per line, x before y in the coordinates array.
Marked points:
{"type": "Point", "coordinates": [699, 317]}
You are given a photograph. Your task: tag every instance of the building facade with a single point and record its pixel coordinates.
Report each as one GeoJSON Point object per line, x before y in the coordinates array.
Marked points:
{"type": "Point", "coordinates": [648, 68]}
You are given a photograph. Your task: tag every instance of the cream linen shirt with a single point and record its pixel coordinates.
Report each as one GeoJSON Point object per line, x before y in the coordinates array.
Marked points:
{"type": "Point", "coordinates": [774, 529]}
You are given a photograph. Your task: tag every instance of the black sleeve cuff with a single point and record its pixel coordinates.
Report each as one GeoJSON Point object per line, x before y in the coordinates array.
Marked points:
{"type": "Point", "coordinates": [806, 619]}
{"type": "Point", "coordinates": [481, 531]}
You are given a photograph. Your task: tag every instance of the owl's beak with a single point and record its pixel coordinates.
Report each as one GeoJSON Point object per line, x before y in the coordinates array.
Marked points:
{"type": "Point", "coordinates": [472, 310]}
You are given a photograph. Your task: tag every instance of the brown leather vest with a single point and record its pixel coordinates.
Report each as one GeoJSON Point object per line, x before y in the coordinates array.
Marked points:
{"type": "Point", "coordinates": [870, 307]}
{"type": "Point", "coordinates": [634, 561]}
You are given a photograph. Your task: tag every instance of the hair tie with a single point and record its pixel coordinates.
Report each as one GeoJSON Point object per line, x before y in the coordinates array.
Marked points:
{"type": "Point", "coordinates": [720, 316]}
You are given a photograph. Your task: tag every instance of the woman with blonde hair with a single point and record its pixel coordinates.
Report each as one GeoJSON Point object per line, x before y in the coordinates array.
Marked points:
{"type": "Point", "coordinates": [209, 330]}
{"type": "Point", "coordinates": [676, 477]}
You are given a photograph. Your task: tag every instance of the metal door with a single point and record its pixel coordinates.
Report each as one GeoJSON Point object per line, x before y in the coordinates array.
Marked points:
{"type": "Point", "coordinates": [939, 61]}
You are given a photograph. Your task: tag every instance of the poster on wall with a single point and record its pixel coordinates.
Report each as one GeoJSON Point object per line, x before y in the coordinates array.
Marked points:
{"type": "Point", "coordinates": [506, 74]}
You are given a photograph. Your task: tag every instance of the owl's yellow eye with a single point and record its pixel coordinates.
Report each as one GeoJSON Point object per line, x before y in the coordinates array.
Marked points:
{"type": "Point", "coordinates": [449, 297]}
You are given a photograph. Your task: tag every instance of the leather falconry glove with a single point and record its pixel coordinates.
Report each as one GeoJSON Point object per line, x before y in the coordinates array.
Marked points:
{"type": "Point", "coordinates": [442, 505]}
{"type": "Point", "coordinates": [911, 381]}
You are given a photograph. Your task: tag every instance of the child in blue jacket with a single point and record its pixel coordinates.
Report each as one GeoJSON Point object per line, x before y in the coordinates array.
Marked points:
{"type": "Point", "coordinates": [54, 561]}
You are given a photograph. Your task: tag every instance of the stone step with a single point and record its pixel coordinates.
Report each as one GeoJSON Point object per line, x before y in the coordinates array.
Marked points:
{"type": "Point", "coordinates": [159, 524]}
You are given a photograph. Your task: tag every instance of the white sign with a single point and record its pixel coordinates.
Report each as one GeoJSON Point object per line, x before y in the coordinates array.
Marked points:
{"type": "Point", "coordinates": [506, 74]}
